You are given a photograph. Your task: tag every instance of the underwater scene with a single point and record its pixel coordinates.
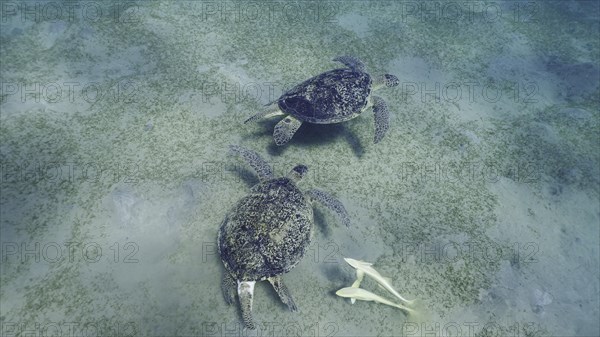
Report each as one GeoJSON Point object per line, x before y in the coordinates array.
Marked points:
{"type": "Point", "coordinates": [300, 168]}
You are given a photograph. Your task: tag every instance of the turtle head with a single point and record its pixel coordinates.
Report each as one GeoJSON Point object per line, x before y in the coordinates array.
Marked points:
{"type": "Point", "coordinates": [386, 80]}
{"type": "Point", "coordinates": [298, 172]}
{"type": "Point", "coordinates": [391, 80]}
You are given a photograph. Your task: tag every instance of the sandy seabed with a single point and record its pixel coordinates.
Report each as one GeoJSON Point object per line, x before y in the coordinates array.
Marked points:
{"type": "Point", "coordinates": [481, 202]}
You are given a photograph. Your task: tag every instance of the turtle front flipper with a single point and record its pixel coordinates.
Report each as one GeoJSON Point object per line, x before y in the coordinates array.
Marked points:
{"type": "Point", "coordinates": [228, 288]}
{"type": "Point", "coordinates": [246, 294]}
{"type": "Point", "coordinates": [351, 62]}
{"type": "Point", "coordinates": [285, 130]}
{"type": "Point", "coordinates": [260, 166]}
{"type": "Point", "coordinates": [382, 118]}
{"type": "Point", "coordinates": [332, 203]}
{"type": "Point", "coordinates": [283, 292]}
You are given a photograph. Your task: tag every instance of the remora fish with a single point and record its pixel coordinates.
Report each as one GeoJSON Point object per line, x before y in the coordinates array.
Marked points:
{"type": "Point", "coordinates": [363, 295]}
{"type": "Point", "coordinates": [366, 268]}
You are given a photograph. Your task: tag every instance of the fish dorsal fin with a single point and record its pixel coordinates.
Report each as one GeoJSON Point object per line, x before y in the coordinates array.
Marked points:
{"type": "Point", "coordinates": [359, 277]}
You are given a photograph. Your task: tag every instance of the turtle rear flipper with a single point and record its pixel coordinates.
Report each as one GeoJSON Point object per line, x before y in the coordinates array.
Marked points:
{"type": "Point", "coordinates": [264, 114]}
{"type": "Point", "coordinates": [382, 118]}
{"type": "Point", "coordinates": [283, 292]}
{"type": "Point", "coordinates": [285, 130]}
{"type": "Point", "coordinates": [246, 294]}
{"type": "Point", "coordinates": [332, 203]}
{"type": "Point", "coordinates": [351, 62]}
{"type": "Point", "coordinates": [228, 288]}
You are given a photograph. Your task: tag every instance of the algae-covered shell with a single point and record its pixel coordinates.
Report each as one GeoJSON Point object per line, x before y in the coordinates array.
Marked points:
{"type": "Point", "coordinates": [267, 232]}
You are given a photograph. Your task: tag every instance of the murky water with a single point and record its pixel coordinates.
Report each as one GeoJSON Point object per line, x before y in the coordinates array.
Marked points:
{"type": "Point", "coordinates": [481, 201]}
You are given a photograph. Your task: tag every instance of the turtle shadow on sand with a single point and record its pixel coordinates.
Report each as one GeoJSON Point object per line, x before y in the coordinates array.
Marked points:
{"type": "Point", "coordinates": [315, 135]}
{"type": "Point", "coordinates": [321, 223]}
{"type": "Point", "coordinates": [309, 135]}
{"type": "Point", "coordinates": [320, 134]}
{"type": "Point", "coordinates": [244, 174]}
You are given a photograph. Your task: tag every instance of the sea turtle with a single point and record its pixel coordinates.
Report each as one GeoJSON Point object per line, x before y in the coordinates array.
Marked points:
{"type": "Point", "coordinates": [332, 97]}
{"type": "Point", "coordinates": [267, 233]}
